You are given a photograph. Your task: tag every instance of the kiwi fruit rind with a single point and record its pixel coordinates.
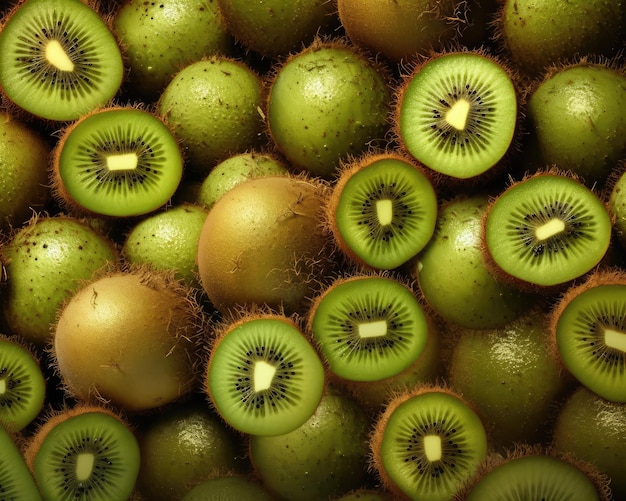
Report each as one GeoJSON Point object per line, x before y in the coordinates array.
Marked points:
{"type": "Point", "coordinates": [22, 385]}
{"type": "Point", "coordinates": [457, 113]}
{"type": "Point", "coordinates": [427, 443]}
{"type": "Point", "coordinates": [263, 376]}
{"type": "Point", "coordinates": [368, 327]}
{"type": "Point", "coordinates": [84, 452]}
{"type": "Point", "coordinates": [382, 211]}
{"type": "Point", "coordinates": [58, 59]}
{"type": "Point", "coordinates": [588, 325]}
{"type": "Point", "coordinates": [545, 230]}
{"type": "Point", "coordinates": [16, 480]}
{"type": "Point", "coordinates": [118, 161]}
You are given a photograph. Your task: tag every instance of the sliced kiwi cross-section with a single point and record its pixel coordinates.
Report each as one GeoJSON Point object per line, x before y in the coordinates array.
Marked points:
{"type": "Point", "coordinates": [16, 482]}
{"type": "Point", "coordinates": [545, 231]}
{"type": "Point", "coordinates": [58, 59]}
{"type": "Point", "coordinates": [368, 327]}
{"type": "Point", "coordinates": [117, 161]}
{"type": "Point", "coordinates": [457, 113]}
{"type": "Point", "coordinates": [264, 376]}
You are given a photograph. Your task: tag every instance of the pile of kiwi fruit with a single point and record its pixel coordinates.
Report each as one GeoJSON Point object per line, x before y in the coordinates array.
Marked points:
{"type": "Point", "coordinates": [403, 221]}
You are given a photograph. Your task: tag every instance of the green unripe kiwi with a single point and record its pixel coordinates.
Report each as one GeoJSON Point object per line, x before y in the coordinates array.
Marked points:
{"type": "Point", "coordinates": [325, 103]}
{"type": "Point", "coordinates": [229, 488]}
{"type": "Point", "coordinates": [45, 261]}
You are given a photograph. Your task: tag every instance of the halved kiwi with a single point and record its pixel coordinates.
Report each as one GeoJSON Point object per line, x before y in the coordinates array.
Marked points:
{"type": "Point", "coordinates": [16, 482]}
{"type": "Point", "coordinates": [22, 385]}
{"type": "Point", "coordinates": [545, 230]}
{"type": "Point", "coordinates": [84, 453]}
{"type": "Point", "coordinates": [263, 375]}
{"type": "Point", "coordinates": [457, 113]}
{"type": "Point", "coordinates": [589, 329]}
{"type": "Point", "coordinates": [427, 443]}
{"type": "Point", "coordinates": [382, 211]}
{"type": "Point", "coordinates": [118, 161]}
{"type": "Point", "coordinates": [368, 327]}
{"type": "Point", "coordinates": [58, 59]}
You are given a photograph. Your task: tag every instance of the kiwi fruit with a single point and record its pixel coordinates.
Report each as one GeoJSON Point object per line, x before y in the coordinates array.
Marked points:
{"type": "Point", "coordinates": [614, 193]}
{"type": "Point", "coordinates": [84, 453]}
{"type": "Point", "coordinates": [22, 385]}
{"type": "Point", "coordinates": [545, 230]}
{"type": "Point", "coordinates": [229, 488]}
{"type": "Point", "coordinates": [263, 376]}
{"type": "Point", "coordinates": [16, 481]}
{"type": "Point", "coordinates": [457, 113]}
{"type": "Point", "coordinates": [58, 59]}
{"type": "Point", "coordinates": [368, 327]}
{"type": "Point", "coordinates": [427, 443]}
{"type": "Point", "coordinates": [382, 211]}
{"type": "Point", "coordinates": [588, 326]}
{"type": "Point", "coordinates": [119, 161]}
{"type": "Point", "coordinates": [536, 473]}
{"type": "Point", "coordinates": [158, 363]}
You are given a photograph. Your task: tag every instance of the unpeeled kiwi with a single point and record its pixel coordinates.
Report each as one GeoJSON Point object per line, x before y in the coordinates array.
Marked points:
{"type": "Point", "coordinates": [58, 59]}
{"type": "Point", "coordinates": [84, 453]}
{"type": "Point", "coordinates": [263, 376]}
{"type": "Point", "coordinates": [118, 161]}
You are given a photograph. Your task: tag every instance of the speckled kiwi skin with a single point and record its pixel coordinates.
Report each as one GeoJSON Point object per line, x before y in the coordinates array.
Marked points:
{"type": "Point", "coordinates": [45, 261]}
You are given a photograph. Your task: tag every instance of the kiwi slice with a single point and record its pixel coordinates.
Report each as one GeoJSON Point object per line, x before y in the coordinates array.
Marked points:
{"type": "Point", "coordinates": [457, 113]}
{"type": "Point", "coordinates": [545, 230]}
{"type": "Point", "coordinates": [368, 327]}
{"type": "Point", "coordinates": [84, 454]}
{"type": "Point", "coordinates": [263, 375]}
{"type": "Point", "coordinates": [22, 385]}
{"type": "Point", "coordinates": [589, 329]}
{"type": "Point", "coordinates": [382, 211]}
{"type": "Point", "coordinates": [58, 59]}
{"type": "Point", "coordinates": [427, 443]}
{"type": "Point", "coordinates": [118, 161]}
{"type": "Point", "coordinates": [537, 475]}
{"type": "Point", "coordinates": [16, 481]}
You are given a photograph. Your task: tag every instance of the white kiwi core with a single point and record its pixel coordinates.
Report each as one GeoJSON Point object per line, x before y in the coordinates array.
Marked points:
{"type": "Point", "coordinates": [57, 57]}
{"type": "Point", "coordinates": [384, 211]}
{"type": "Point", "coordinates": [615, 339]}
{"type": "Point", "coordinates": [549, 229]}
{"type": "Point", "coordinates": [84, 465]}
{"type": "Point", "coordinates": [263, 375]}
{"type": "Point", "coordinates": [123, 161]}
{"type": "Point", "coordinates": [457, 115]}
{"type": "Point", "coordinates": [432, 447]}
{"type": "Point", "coordinates": [372, 329]}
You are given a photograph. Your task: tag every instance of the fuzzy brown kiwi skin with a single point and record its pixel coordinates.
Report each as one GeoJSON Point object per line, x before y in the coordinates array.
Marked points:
{"type": "Point", "coordinates": [349, 167]}
{"type": "Point", "coordinates": [540, 290]}
{"type": "Point", "coordinates": [495, 174]}
{"type": "Point", "coordinates": [493, 460]}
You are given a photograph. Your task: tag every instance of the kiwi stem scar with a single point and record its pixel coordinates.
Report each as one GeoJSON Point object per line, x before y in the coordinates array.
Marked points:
{"type": "Point", "coordinates": [58, 57]}
{"type": "Point", "coordinates": [373, 329]}
{"type": "Point", "coordinates": [263, 375]}
{"type": "Point", "coordinates": [123, 161]}
{"type": "Point", "coordinates": [384, 211]}
{"type": "Point", "coordinates": [615, 339]}
{"type": "Point", "coordinates": [549, 229]}
{"type": "Point", "coordinates": [84, 465]}
{"type": "Point", "coordinates": [457, 115]}
{"type": "Point", "coordinates": [432, 447]}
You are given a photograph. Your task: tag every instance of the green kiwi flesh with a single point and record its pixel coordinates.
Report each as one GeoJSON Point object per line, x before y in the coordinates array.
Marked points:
{"type": "Point", "coordinates": [369, 328]}
{"type": "Point", "coordinates": [264, 377]}
{"type": "Point", "coordinates": [22, 385]}
{"type": "Point", "coordinates": [589, 326]}
{"type": "Point", "coordinates": [546, 230]}
{"type": "Point", "coordinates": [88, 456]}
{"type": "Point", "coordinates": [427, 444]}
{"type": "Point", "coordinates": [117, 162]}
{"type": "Point", "coordinates": [383, 211]}
{"type": "Point", "coordinates": [535, 476]}
{"type": "Point", "coordinates": [457, 113]}
{"type": "Point", "coordinates": [16, 481]}
{"type": "Point", "coordinates": [58, 59]}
